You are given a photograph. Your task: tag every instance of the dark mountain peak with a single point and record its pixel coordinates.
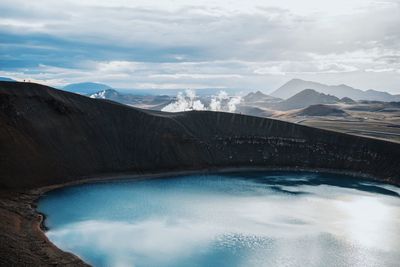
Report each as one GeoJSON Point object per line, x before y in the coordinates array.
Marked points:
{"type": "Point", "coordinates": [347, 100]}
{"type": "Point", "coordinates": [259, 97]}
{"type": "Point", "coordinates": [295, 86]}
{"type": "Point", "coordinates": [308, 91]}
{"type": "Point", "coordinates": [306, 98]}
{"type": "Point", "coordinates": [257, 93]}
{"type": "Point", "coordinates": [322, 110]}
{"type": "Point", "coordinates": [313, 93]}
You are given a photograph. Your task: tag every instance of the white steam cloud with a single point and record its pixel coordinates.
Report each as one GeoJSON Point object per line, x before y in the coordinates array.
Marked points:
{"type": "Point", "coordinates": [185, 102]}
{"type": "Point", "coordinates": [188, 101]}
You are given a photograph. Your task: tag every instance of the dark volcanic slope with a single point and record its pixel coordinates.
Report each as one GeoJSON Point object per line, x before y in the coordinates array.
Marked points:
{"type": "Point", "coordinates": [49, 136]}
{"type": "Point", "coordinates": [321, 110]}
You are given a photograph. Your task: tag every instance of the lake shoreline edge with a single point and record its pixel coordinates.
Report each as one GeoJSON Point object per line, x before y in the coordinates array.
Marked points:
{"type": "Point", "coordinates": [25, 203]}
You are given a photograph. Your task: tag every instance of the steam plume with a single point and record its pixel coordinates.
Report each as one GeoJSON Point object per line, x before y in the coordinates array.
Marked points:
{"type": "Point", "coordinates": [188, 101]}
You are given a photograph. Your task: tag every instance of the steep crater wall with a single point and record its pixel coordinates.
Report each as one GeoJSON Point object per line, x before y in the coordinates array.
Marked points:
{"type": "Point", "coordinates": [48, 137]}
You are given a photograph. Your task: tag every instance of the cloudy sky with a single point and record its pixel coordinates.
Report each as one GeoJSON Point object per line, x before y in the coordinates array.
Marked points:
{"type": "Point", "coordinates": [253, 44]}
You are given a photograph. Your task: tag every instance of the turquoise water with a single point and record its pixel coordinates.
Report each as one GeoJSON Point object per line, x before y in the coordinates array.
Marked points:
{"type": "Point", "coordinates": [241, 219]}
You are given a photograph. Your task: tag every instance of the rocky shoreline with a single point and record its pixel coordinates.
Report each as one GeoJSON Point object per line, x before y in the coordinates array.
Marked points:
{"type": "Point", "coordinates": [27, 244]}
{"type": "Point", "coordinates": [22, 241]}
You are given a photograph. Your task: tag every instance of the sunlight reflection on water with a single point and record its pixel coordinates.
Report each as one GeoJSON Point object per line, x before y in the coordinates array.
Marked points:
{"type": "Point", "coordinates": [241, 219]}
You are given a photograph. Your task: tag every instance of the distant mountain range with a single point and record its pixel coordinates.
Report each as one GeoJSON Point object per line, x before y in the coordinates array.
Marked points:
{"type": "Point", "coordinates": [110, 94]}
{"type": "Point", "coordinates": [306, 98]}
{"type": "Point", "coordinates": [155, 102]}
{"type": "Point", "coordinates": [86, 87]}
{"type": "Point", "coordinates": [300, 100]}
{"type": "Point", "coordinates": [295, 94]}
{"type": "Point", "coordinates": [322, 110]}
{"type": "Point", "coordinates": [286, 91]}
{"type": "Point", "coordinates": [296, 85]}
{"type": "Point", "coordinates": [6, 79]}
{"type": "Point", "coordinates": [260, 97]}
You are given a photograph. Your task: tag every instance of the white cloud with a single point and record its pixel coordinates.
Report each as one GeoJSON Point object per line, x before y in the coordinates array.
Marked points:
{"type": "Point", "coordinates": [382, 70]}
{"type": "Point", "coordinates": [273, 70]}
{"type": "Point", "coordinates": [195, 76]}
{"type": "Point", "coordinates": [117, 66]}
{"type": "Point", "coordinates": [248, 44]}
